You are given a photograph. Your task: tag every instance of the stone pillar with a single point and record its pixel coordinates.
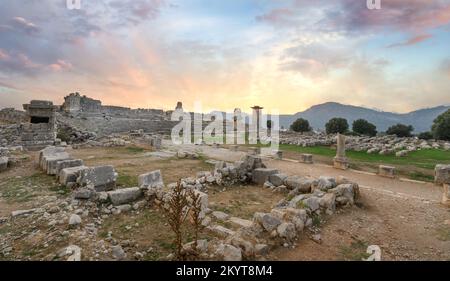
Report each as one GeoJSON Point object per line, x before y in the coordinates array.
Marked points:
{"type": "Point", "coordinates": [340, 161]}
{"type": "Point", "coordinates": [257, 110]}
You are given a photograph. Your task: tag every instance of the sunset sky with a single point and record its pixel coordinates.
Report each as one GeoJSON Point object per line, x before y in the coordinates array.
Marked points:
{"type": "Point", "coordinates": [284, 55]}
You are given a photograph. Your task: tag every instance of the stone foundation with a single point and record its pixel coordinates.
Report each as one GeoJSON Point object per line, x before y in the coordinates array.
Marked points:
{"type": "Point", "coordinates": [340, 163]}
{"type": "Point", "coordinates": [386, 171]}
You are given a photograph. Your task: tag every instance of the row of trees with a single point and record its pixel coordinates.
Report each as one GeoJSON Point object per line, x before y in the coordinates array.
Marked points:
{"type": "Point", "coordinates": [439, 130]}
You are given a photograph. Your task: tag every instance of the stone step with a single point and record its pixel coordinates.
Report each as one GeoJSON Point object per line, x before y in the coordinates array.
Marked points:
{"type": "Point", "coordinates": [221, 231]}
{"type": "Point", "coordinates": [240, 222]}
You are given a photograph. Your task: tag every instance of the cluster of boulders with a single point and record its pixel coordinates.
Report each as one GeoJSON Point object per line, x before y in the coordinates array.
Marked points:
{"type": "Point", "coordinates": [306, 201]}
{"type": "Point", "coordinates": [383, 145]}
{"type": "Point", "coordinates": [73, 135]}
{"type": "Point", "coordinates": [307, 139]}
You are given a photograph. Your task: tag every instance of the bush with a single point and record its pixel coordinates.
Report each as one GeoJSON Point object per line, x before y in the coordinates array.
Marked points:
{"type": "Point", "coordinates": [364, 127]}
{"type": "Point", "coordinates": [425, 136]}
{"type": "Point", "coordinates": [400, 130]}
{"type": "Point", "coordinates": [336, 125]}
{"type": "Point", "coordinates": [441, 126]}
{"type": "Point", "coordinates": [300, 125]}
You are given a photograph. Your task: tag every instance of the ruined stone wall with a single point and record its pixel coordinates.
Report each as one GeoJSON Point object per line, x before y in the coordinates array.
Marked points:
{"type": "Point", "coordinates": [10, 115]}
{"type": "Point", "coordinates": [106, 125]}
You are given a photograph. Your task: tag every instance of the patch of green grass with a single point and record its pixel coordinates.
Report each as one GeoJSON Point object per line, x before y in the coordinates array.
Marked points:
{"type": "Point", "coordinates": [23, 189]}
{"type": "Point", "coordinates": [301, 205]}
{"type": "Point", "coordinates": [125, 180]}
{"type": "Point", "coordinates": [316, 220]}
{"type": "Point", "coordinates": [135, 149]}
{"type": "Point", "coordinates": [355, 252]}
{"type": "Point", "coordinates": [421, 176]}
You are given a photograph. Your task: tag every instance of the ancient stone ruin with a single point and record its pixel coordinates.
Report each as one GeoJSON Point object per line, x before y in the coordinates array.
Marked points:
{"type": "Point", "coordinates": [340, 161]}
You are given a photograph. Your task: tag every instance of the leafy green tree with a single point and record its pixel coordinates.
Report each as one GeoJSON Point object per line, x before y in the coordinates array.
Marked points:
{"type": "Point", "coordinates": [300, 125]}
{"type": "Point", "coordinates": [441, 126]}
{"type": "Point", "coordinates": [336, 125]}
{"type": "Point", "coordinates": [364, 127]}
{"type": "Point", "coordinates": [425, 136]}
{"type": "Point", "coordinates": [400, 130]}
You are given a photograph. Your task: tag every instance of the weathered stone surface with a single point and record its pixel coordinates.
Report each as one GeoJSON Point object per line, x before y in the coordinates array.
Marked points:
{"type": "Point", "coordinates": [49, 150]}
{"type": "Point", "coordinates": [66, 164]}
{"type": "Point", "coordinates": [328, 201]}
{"type": "Point", "coordinates": [230, 253]}
{"type": "Point", "coordinates": [19, 213]}
{"type": "Point", "coordinates": [83, 193]}
{"type": "Point", "coordinates": [118, 253]}
{"type": "Point", "coordinates": [220, 215]}
{"type": "Point", "coordinates": [3, 163]}
{"type": "Point", "coordinates": [51, 161]}
{"type": "Point", "coordinates": [151, 180]}
{"type": "Point", "coordinates": [240, 222]}
{"type": "Point", "coordinates": [267, 221]}
{"type": "Point", "coordinates": [386, 171]}
{"type": "Point", "coordinates": [346, 191]}
{"type": "Point", "coordinates": [101, 178]}
{"type": "Point", "coordinates": [261, 249]}
{"type": "Point", "coordinates": [221, 231]}
{"type": "Point", "coordinates": [68, 175]}
{"type": "Point", "coordinates": [442, 174]}
{"type": "Point", "coordinates": [74, 220]}
{"type": "Point", "coordinates": [287, 230]}
{"type": "Point", "coordinates": [277, 179]}
{"type": "Point", "coordinates": [312, 203]}
{"type": "Point", "coordinates": [124, 195]}
{"type": "Point", "coordinates": [73, 252]}
{"type": "Point", "coordinates": [306, 158]}
{"type": "Point", "coordinates": [261, 175]}
{"type": "Point", "coordinates": [326, 183]}
{"type": "Point", "coordinates": [302, 185]}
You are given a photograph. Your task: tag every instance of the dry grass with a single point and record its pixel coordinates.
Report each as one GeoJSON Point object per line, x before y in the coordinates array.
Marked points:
{"type": "Point", "coordinates": [243, 201]}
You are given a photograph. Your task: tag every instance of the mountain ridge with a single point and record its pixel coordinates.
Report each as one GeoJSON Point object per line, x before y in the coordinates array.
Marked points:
{"type": "Point", "coordinates": [318, 115]}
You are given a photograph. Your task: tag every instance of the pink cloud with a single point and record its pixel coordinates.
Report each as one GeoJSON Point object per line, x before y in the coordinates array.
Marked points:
{"type": "Point", "coordinates": [3, 55]}
{"type": "Point", "coordinates": [412, 41]}
{"type": "Point", "coordinates": [60, 65]}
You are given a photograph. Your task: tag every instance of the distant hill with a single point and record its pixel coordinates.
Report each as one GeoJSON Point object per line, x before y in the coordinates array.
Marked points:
{"type": "Point", "coordinates": [318, 116]}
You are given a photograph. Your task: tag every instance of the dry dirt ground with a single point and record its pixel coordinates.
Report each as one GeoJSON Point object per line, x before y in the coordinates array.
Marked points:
{"type": "Point", "coordinates": [403, 218]}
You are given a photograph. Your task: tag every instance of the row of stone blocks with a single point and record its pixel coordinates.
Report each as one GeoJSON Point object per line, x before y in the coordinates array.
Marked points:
{"type": "Point", "coordinates": [92, 180]}
{"type": "Point", "coordinates": [56, 161]}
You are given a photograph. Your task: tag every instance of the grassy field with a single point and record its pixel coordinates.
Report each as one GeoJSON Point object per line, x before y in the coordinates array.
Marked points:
{"type": "Point", "coordinates": [418, 165]}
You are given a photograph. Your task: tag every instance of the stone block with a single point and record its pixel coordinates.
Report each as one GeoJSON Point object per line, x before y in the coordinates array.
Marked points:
{"type": "Point", "coordinates": [3, 163]}
{"type": "Point", "coordinates": [306, 158]}
{"type": "Point", "coordinates": [442, 174]}
{"type": "Point", "coordinates": [386, 171]}
{"type": "Point", "coordinates": [62, 164]}
{"type": "Point", "coordinates": [124, 195]}
{"type": "Point", "coordinates": [261, 175]}
{"type": "Point", "coordinates": [277, 179]}
{"type": "Point", "coordinates": [151, 180]}
{"type": "Point", "coordinates": [340, 163]}
{"type": "Point", "coordinates": [101, 178]}
{"type": "Point", "coordinates": [68, 175]}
